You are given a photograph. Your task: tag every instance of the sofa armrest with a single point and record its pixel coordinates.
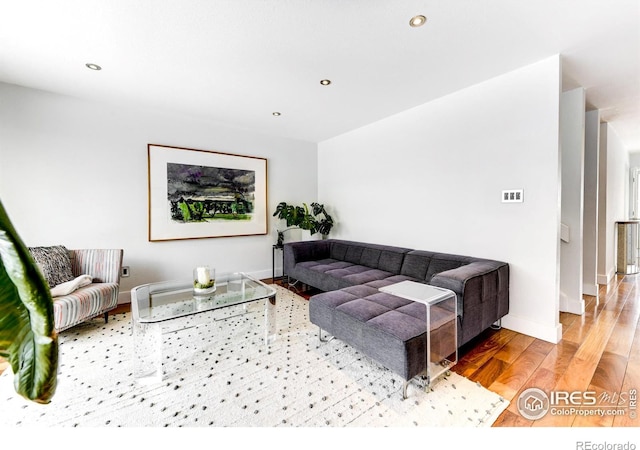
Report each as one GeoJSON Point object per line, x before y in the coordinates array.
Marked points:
{"type": "Point", "coordinates": [104, 265]}
{"type": "Point", "coordinates": [296, 252]}
{"type": "Point", "coordinates": [475, 282]}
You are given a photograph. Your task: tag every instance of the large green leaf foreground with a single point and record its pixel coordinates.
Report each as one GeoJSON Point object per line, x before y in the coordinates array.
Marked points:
{"type": "Point", "coordinates": [27, 334]}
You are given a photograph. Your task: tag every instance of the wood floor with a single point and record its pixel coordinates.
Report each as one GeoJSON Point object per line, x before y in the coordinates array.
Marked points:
{"type": "Point", "coordinates": [599, 351]}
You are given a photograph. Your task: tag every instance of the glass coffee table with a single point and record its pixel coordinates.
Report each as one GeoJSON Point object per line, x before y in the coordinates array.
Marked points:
{"type": "Point", "coordinates": [156, 307]}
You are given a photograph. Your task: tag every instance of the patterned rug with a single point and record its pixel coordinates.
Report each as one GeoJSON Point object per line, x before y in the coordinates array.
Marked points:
{"type": "Point", "coordinates": [219, 373]}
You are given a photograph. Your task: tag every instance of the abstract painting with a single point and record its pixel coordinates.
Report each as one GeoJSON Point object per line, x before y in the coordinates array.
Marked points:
{"type": "Point", "coordinates": [202, 194]}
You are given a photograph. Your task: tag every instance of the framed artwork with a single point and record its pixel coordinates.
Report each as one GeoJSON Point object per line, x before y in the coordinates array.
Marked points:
{"type": "Point", "coordinates": [195, 194]}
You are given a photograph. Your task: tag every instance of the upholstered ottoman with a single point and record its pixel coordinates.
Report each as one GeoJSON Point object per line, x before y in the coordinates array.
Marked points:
{"type": "Point", "coordinates": [389, 329]}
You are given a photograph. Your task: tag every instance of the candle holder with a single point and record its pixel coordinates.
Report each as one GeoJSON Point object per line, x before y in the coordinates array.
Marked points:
{"type": "Point", "coordinates": [204, 280]}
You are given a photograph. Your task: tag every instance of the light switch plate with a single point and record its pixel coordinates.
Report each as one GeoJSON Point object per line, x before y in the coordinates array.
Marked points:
{"type": "Point", "coordinates": [513, 196]}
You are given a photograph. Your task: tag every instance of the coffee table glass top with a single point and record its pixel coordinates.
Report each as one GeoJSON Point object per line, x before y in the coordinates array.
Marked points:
{"type": "Point", "coordinates": [157, 302]}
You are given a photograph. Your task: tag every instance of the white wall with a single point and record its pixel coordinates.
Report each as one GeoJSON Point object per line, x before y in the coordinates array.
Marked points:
{"type": "Point", "coordinates": [75, 173]}
{"type": "Point", "coordinates": [613, 199]}
{"type": "Point", "coordinates": [572, 118]}
{"type": "Point", "coordinates": [606, 270]}
{"type": "Point", "coordinates": [591, 183]}
{"type": "Point", "coordinates": [431, 178]}
{"type": "Point", "coordinates": [634, 183]}
{"type": "Point", "coordinates": [634, 159]}
{"type": "Point", "coordinates": [617, 188]}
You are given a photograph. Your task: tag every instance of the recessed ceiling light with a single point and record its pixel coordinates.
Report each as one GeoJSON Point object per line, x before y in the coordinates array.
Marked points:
{"type": "Point", "coordinates": [325, 82]}
{"type": "Point", "coordinates": [418, 21]}
{"type": "Point", "coordinates": [93, 66]}
{"type": "Point", "coordinates": [276, 113]}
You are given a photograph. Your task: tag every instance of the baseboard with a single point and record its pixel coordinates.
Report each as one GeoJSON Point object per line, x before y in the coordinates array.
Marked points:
{"type": "Point", "coordinates": [124, 297]}
{"type": "Point", "coordinates": [551, 334]}
{"type": "Point", "coordinates": [571, 305]}
{"type": "Point", "coordinates": [590, 289]}
{"type": "Point", "coordinates": [264, 274]}
{"type": "Point", "coordinates": [606, 279]}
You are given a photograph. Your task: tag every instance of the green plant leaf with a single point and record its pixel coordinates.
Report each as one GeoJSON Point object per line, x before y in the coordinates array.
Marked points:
{"type": "Point", "coordinates": [305, 218]}
{"type": "Point", "coordinates": [280, 210]}
{"type": "Point", "coordinates": [28, 339]}
{"type": "Point", "coordinates": [323, 226]}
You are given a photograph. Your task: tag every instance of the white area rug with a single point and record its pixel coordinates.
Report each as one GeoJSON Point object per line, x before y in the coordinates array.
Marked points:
{"type": "Point", "coordinates": [220, 374]}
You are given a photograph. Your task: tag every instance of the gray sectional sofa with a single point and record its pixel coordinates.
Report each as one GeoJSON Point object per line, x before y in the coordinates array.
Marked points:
{"type": "Point", "coordinates": [387, 328]}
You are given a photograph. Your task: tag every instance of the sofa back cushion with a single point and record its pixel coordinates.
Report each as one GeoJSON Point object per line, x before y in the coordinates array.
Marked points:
{"type": "Point", "coordinates": [442, 261]}
{"type": "Point", "coordinates": [383, 257]}
{"type": "Point", "coordinates": [370, 257]}
{"type": "Point", "coordinates": [338, 250]}
{"type": "Point", "coordinates": [416, 264]}
{"type": "Point", "coordinates": [391, 260]}
{"type": "Point", "coordinates": [354, 253]}
{"type": "Point", "coordinates": [423, 265]}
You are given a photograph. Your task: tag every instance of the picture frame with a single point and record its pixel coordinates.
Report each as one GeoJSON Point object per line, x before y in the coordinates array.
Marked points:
{"type": "Point", "coordinates": [198, 194]}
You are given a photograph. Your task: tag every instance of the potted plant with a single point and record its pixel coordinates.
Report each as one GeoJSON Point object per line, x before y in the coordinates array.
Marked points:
{"type": "Point", "coordinates": [314, 220]}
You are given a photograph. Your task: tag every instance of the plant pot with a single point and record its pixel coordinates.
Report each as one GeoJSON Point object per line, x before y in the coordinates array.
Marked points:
{"type": "Point", "coordinates": [307, 236]}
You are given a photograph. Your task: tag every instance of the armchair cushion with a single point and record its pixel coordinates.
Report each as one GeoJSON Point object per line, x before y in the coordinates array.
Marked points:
{"type": "Point", "coordinates": [83, 304]}
{"type": "Point", "coordinates": [54, 263]}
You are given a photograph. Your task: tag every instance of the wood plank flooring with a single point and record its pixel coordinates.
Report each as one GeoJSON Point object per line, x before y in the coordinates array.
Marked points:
{"type": "Point", "coordinates": [599, 351]}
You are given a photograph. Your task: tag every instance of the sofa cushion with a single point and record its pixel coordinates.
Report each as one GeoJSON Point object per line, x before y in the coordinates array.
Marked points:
{"type": "Point", "coordinates": [354, 253]}
{"type": "Point", "coordinates": [390, 301]}
{"type": "Point", "coordinates": [443, 262]}
{"type": "Point", "coordinates": [391, 261]}
{"type": "Point", "coordinates": [367, 276]}
{"type": "Point", "coordinates": [383, 257]}
{"type": "Point", "coordinates": [324, 265]}
{"type": "Point", "coordinates": [361, 290]}
{"type": "Point", "coordinates": [399, 325]}
{"type": "Point", "coordinates": [377, 284]}
{"type": "Point", "coordinates": [416, 264]}
{"type": "Point", "coordinates": [344, 272]}
{"type": "Point", "coordinates": [423, 265]}
{"type": "Point", "coordinates": [362, 309]}
{"type": "Point", "coordinates": [338, 250]}
{"type": "Point", "coordinates": [317, 273]}
{"type": "Point", "coordinates": [54, 263]}
{"type": "Point", "coordinates": [370, 257]}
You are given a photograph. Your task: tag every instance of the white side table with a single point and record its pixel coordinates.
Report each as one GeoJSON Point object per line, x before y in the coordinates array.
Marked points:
{"type": "Point", "coordinates": [441, 327]}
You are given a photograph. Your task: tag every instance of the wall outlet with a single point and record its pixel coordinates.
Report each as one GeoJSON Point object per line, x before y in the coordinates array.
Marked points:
{"type": "Point", "coordinates": [513, 196]}
{"type": "Point", "coordinates": [125, 271]}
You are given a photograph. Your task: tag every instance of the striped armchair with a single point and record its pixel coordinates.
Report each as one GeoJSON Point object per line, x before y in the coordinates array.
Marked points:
{"type": "Point", "coordinates": [99, 297]}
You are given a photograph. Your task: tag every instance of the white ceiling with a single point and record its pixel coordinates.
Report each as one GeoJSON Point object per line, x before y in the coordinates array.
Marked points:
{"type": "Point", "coordinates": [236, 61]}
